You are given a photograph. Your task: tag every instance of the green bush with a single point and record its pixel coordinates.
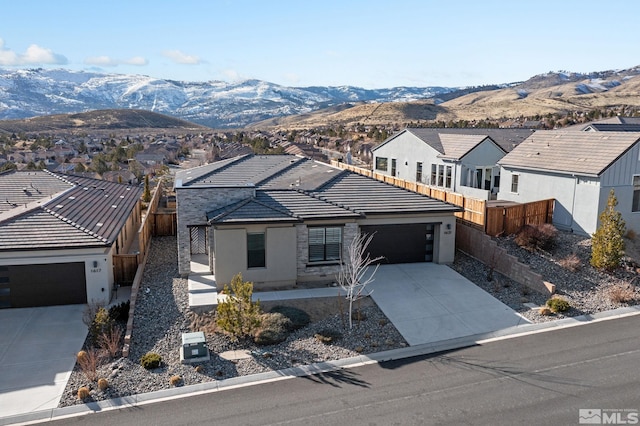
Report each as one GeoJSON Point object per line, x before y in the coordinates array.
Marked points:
{"type": "Point", "coordinates": [328, 336]}
{"type": "Point", "coordinates": [150, 360]}
{"type": "Point", "coordinates": [607, 244]}
{"type": "Point", "coordinates": [274, 329]}
{"type": "Point", "coordinates": [120, 312]}
{"type": "Point", "coordinates": [557, 304]}
{"type": "Point", "coordinates": [238, 315]}
{"type": "Point", "coordinates": [298, 317]}
{"type": "Point", "coordinates": [101, 324]}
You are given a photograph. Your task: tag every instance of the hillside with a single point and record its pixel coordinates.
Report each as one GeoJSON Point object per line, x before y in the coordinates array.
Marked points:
{"type": "Point", "coordinates": [551, 93]}
{"type": "Point", "coordinates": [99, 120]}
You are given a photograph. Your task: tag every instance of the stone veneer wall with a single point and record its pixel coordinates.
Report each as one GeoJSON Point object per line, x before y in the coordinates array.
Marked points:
{"type": "Point", "coordinates": [192, 204]}
{"type": "Point", "coordinates": [320, 273]}
{"type": "Point", "coordinates": [477, 244]}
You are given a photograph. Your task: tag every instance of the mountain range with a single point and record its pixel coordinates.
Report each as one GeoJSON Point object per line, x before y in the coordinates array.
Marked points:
{"type": "Point", "coordinates": [36, 92]}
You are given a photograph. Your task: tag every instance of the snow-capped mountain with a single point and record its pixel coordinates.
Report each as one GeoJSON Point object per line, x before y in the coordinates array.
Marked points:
{"type": "Point", "coordinates": [34, 92]}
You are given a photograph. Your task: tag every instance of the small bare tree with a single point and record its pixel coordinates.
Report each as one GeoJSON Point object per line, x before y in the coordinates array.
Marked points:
{"type": "Point", "coordinates": [354, 276]}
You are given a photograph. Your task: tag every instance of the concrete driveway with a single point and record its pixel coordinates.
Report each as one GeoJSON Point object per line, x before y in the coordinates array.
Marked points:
{"type": "Point", "coordinates": [428, 303]}
{"type": "Point", "coordinates": [38, 349]}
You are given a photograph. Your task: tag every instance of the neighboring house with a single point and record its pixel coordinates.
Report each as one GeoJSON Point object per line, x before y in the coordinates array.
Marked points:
{"type": "Point", "coordinates": [613, 124]}
{"type": "Point", "coordinates": [281, 220]}
{"type": "Point", "coordinates": [578, 170]}
{"type": "Point", "coordinates": [58, 235]}
{"type": "Point", "coordinates": [458, 160]}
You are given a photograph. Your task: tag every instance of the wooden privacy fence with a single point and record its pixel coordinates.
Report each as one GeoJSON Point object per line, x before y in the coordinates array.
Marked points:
{"type": "Point", "coordinates": [473, 208]}
{"type": "Point", "coordinates": [509, 219]}
{"type": "Point", "coordinates": [153, 224]}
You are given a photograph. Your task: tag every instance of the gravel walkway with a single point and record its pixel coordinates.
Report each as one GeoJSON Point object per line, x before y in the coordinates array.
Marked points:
{"type": "Point", "coordinates": [162, 315]}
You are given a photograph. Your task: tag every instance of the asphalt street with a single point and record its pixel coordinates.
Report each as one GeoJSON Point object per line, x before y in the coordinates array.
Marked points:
{"type": "Point", "coordinates": [543, 378]}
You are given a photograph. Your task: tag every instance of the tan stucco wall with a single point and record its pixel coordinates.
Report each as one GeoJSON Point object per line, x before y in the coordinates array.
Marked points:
{"type": "Point", "coordinates": [230, 247]}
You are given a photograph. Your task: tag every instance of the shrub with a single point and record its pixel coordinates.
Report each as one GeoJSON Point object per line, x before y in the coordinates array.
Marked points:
{"type": "Point", "coordinates": [83, 393]}
{"type": "Point", "coordinates": [175, 380]}
{"type": "Point", "coordinates": [607, 244]}
{"type": "Point", "coordinates": [570, 262]}
{"type": "Point", "coordinates": [558, 304]}
{"type": "Point", "coordinates": [120, 312]}
{"type": "Point", "coordinates": [89, 312]}
{"type": "Point", "coordinates": [238, 315]}
{"type": "Point", "coordinates": [536, 237]}
{"type": "Point", "coordinates": [150, 360]}
{"type": "Point", "coordinates": [327, 336]}
{"type": "Point", "coordinates": [100, 325]}
{"type": "Point", "coordinates": [622, 293]}
{"type": "Point", "coordinates": [298, 317]}
{"type": "Point", "coordinates": [103, 384]}
{"type": "Point", "coordinates": [89, 361]}
{"type": "Point", "coordinates": [274, 329]}
{"type": "Point", "coordinates": [109, 341]}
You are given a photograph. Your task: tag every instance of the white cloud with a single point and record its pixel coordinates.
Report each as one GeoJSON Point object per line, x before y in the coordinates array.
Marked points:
{"type": "Point", "coordinates": [34, 55]}
{"type": "Point", "coordinates": [107, 61]}
{"type": "Point", "coordinates": [180, 57]}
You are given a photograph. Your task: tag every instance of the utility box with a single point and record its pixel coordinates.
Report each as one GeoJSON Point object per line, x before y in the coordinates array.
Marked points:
{"type": "Point", "coordinates": [193, 348]}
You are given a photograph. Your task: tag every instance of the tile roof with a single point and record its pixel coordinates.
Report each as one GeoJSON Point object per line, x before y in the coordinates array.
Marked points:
{"type": "Point", "coordinates": [294, 188]}
{"type": "Point", "coordinates": [243, 171]}
{"type": "Point", "coordinates": [87, 213]}
{"type": "Point", "coordinates": [588, 153]}
{"type": "Point", "coordinates": [369, 196]}
{"type": "Point", "coordinates": [23, 187]}
{"type": "Point", "coordinates": [279, 206]}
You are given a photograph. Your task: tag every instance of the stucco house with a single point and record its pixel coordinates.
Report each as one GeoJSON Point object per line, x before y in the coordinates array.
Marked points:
{"type": "Point", "coordinates": [577, 169]}
{"type": "Point", "coordinates": [281, 220]}
{"type": "Point", "coordinates": [58, 236]}
{"type": "Point", "coordinates": [458, 160]}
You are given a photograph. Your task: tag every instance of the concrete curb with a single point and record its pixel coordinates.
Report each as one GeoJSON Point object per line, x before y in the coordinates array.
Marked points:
{"type": "Point", "coordinates": [318, 368]}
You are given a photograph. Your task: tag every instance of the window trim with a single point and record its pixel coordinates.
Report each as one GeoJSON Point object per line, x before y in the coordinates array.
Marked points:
{"type": "Point", "coordinates": [517, 182]}
{"type": "Point", "coordinates": [327, 258]}
{"type": "Point", "coordinates": [635, 196]}
{"type": "Point", "coordinates": [384, 160]}
{"type": "Point", "coordinates": [262, 263]}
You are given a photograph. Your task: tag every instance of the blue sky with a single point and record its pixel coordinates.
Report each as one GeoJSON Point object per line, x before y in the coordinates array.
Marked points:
{"type": "Point", "coordinates": [369, 43]}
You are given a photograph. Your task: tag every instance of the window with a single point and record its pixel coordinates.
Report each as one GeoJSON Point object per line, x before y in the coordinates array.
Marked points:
{"type": "Point", "coordinates": [514, 183]}
{"type": "Point", "coordinates": [448, 181]}
{"type": "Point", "coordinates": [381, 163]}
{"type": "Point", "coordinates": [325, 244]}
{"type": "Point", "coordinates": [434, 174]}
{"type": "Point", "coordinates": [393, 167]}
{"type": "Point", "coordinates": [418, 172]}
{"type": "Point", "coordinates": [255, 250]}
{"type": "Point", "coordinates": [440, 175]}
{"type": "Point", "coordinates": [635, 206]}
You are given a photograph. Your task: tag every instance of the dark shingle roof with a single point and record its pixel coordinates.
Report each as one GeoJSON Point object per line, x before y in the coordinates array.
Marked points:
{"type": "Point", "coordinates": [587, 153]}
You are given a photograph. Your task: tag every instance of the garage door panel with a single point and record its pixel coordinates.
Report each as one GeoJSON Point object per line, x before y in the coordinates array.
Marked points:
{"type": "Point", "coordinates": [400, 243]}
{"type": "Point", "coordinates": [47, 284]}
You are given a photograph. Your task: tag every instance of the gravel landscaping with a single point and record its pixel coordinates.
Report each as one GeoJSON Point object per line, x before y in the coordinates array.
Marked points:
{"type": "Point", "coordinates": [162, 315]}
